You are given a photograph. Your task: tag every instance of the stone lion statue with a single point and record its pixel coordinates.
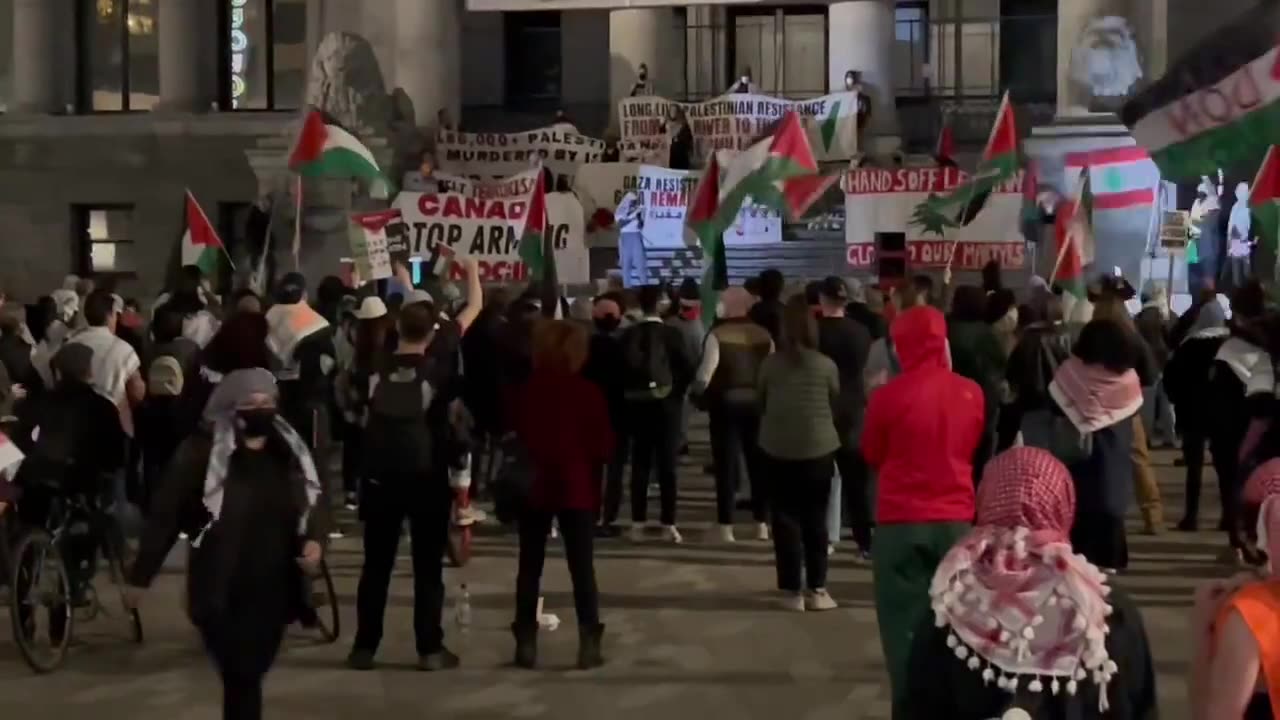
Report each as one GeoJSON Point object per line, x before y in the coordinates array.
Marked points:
{"type": "Point", "coordinates": [1104, 63]}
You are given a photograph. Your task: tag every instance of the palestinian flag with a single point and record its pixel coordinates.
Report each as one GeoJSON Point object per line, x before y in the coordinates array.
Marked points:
{"type": "Point", "coordinates": [1264, 199]}
{"type": "Point", "coordinates": [944, 153]}
{"type": "Point", "coordinates": [201, 245]}
{"type": "Point", "coordinates": [537, 251]}
{"type": "Point", "coordinates": [999, 164]}
{"type": "Point", "coordinates": [325, 150]}
{"type": "Point", "coordinates": [1075, 238]}
{"type": "Point", "coordinates": [701, 218]}
{"type": "Point", "coordinates": [1218, 106]}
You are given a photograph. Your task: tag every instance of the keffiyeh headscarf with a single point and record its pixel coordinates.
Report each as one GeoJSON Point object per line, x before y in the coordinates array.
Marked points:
{"type": "Point", "coordinates": [1263, 488]}
{"type": "Point", "coordinates": [220, 413]}
{"type": "Point", "coordinates": [1021, 606]}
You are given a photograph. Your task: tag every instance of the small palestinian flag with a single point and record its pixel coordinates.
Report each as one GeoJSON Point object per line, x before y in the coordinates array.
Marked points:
{"type": "Point", "coordinates": [999, 164]}
{"type": "Point", "coordinates": [944, 153]}
{"type": "Point", "coordinates": [1264, 199]}
{"type": "Point", "coordinates": [1218, 106]}
{"type": "Point", "coordinates": [1075, 238]}
{"type": "Point", "coordinates": [325, 150]}
{"type": "Point", "coordinates": [701, 218]}
{"type": "Point", "coordinates": [201, 245]}
{"type": "Point", "coordinates": [537, 251]}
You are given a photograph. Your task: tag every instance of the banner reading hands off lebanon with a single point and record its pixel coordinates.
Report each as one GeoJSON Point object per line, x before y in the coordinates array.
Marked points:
{"type": "Point", "coordinates": [734, 122]}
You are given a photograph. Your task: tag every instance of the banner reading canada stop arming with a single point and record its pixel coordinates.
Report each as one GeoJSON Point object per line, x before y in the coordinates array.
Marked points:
{"type": "Point", "coordinates": [733, 122]}
{"type": "Point", "coordinates": [883, 202]}
{"type": "Point", "coordinates": [484, 220]}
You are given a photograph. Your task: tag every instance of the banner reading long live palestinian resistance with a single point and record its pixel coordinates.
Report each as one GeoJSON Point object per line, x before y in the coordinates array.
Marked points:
{"type": "Point", "coordinates": [734, 122]}
{"type": "Point", "coordinates": [665, 195]}
{"type": "Point", "coordinates": [493, 156]}
{"type": "Point", "coordinates": [887, 205]}
{"type": "Point", "coordinates": [485, 220]}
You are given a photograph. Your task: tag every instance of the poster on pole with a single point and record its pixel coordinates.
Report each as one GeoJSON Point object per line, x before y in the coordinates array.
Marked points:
{"type": "Point", "coordinates": [485, 220]}
{"type": "Point", "coordinates": [665, 194]}
{"type": "Point", "coordinates": [881, 203]}
{"type": "Point", "coordinates": [734, 121]}
{"type": "Point", "coordinates": [494, 156]}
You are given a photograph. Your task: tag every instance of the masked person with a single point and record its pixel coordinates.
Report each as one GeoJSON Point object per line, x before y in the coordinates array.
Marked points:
{"type": "Point", "coordinates": [604, 357]}
{"type": "Point", "coordinates": [245, 492]}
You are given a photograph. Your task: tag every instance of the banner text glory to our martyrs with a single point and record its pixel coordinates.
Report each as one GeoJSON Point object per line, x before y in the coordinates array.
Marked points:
{"type": "Point", "coordinates": [884, 201]}
{"type": "Point", "coordinates": [733, 122]}
{"type": "Point", "coordinates": [490, 156]}
{"type": "Point", "coordinates": [486, 220]}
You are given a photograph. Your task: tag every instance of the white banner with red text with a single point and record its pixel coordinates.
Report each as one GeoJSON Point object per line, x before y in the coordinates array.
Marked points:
{"type": "Point", "coordinates": [665, 194]}
{"type": "Point", "coordinates": [485, 221]}
{"type": "Point", "coordinates": [880, 204]}
{"type": "Point", "coordinates": [735, 121]}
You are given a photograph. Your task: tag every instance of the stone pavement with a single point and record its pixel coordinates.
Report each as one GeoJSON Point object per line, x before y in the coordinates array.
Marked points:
{"type": "Point", "coordinates": [693, 632]}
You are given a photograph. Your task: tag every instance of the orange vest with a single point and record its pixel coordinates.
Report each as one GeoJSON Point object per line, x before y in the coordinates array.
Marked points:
{"type": "Point", "coordinates": [1259, 604]}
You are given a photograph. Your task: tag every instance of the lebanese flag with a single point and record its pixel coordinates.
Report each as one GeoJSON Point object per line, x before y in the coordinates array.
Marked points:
{"type": "Point", "coordinates": [1264, 199]}
{"type": "Point", "coordinates": [325, 150]}
{"type": "Point", "coordinates": [1121, 178]}
{"type": "Point", "coordinates": [201, 245]}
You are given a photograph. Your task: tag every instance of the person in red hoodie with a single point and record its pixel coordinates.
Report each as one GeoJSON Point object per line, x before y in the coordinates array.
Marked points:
{"type": "Point", "coordinates": [920, 432]}
{"type": "Point", "coordinates": [568, 451]}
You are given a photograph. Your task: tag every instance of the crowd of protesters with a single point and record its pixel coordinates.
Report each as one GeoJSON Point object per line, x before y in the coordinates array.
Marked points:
{"type": "Point", "coordinates": [982, 451]}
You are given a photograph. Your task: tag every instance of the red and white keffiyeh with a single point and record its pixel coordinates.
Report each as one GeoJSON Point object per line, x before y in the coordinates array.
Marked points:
{"type": "Point", "coordinates": [1263, 488]}
{"type": "Point", "coordinates": [1021, 606]}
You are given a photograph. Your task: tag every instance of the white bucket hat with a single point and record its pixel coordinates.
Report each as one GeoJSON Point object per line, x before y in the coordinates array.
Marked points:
{"type": "Point", "coordinates": [370, 308]}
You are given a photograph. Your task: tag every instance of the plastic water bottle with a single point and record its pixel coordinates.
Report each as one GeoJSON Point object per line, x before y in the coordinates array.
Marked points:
{"type": "Point", "coordinates": [462, 609]}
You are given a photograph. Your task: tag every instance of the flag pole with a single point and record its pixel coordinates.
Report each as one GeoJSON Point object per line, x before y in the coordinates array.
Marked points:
{"type": "Point", "coordinates": [260, 280]}
{"type": "Point", "coordinates": [297, 223]}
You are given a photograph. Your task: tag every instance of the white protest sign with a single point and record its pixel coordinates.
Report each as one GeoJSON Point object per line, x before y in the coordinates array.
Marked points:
{"type": "Point", "coordinates": [491, 156]}
{"type": "Point", "coordinates": [486, 221]}
{"type": "Point", "coordinates": [734, 121]}
{"type": "Point", "coordinates": [666, 195]}
{"type": "Point", "coordinates": [368, 236]}
{"type": "Point", "coordinates": [883, 202]}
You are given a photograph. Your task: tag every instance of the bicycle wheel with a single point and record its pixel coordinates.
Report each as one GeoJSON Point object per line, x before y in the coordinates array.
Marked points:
{"type": "Point", "coordinates": [325, 602]}
{"type": "Point", "coordinates": [40, 602]}
{"type": "Point", "coordinates": [459, 547]}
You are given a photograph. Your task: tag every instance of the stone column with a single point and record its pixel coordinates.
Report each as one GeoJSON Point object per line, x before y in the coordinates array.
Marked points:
{"type": "Point", "coordinates": [860, 37]}
{"type": "Point", "coordinates": [1086, 24]}
{"type": "Point", "coordinates": [35, 75]}
{"type": "Point", "coordinates": [180, 26]}
{"type": "Point", "coordinates": [428, 57]}
{"type": "Point", "coordinates": [647, 36]}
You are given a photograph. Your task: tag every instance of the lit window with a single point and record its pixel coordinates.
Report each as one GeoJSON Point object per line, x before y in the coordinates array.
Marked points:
{"type": "Point", "coordinates": [266, 54]}
{"type": "Point", "coordinates": [533, 57]}
{"type": "Point", "coordinates": [106, 243]}
{"type": "Point", "coordinates": [119, 55]}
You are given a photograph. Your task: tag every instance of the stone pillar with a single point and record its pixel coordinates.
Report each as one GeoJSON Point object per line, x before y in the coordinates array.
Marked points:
{"type": "Point", "coordinates": [35, 76]}
{"type": "Point", "coordinates": [1081, 24]}
{"type": "Point", "coordinates": [180, 26]}
{"type": "Point", "coordinates": [860, 37]}
{"type": "Point", "coordinates": [648, 36]}
{"type": "Point", "coordinates": [428, 57]}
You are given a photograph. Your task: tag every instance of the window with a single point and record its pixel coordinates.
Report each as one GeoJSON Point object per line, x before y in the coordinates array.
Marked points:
{"type": "Point", "coordinates": [6, 54]}
{"type": "Point", "coordinates": [533, 57]}
{"type": "Point", "coordinates": [265, 51]}
{"type": "Point", "coordinates": [785, 49]}
{"type": "Point", "coordinates": [104, 235]}
{"type": "Point", "coordinates": [119, 55]}
{"type": "Point", "coordinates": [911, 48]}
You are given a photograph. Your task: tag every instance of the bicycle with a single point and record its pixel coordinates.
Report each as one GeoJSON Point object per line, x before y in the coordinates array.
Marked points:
{"type": "Point", "coordinates": [41, 580]}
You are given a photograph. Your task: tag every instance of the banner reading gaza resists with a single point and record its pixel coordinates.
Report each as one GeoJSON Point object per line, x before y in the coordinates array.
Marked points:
{"type": "Point", "coordinates": [733, 122]}
{"type": "Point", "coordinates": [492, 156]}
{"type": "Point", "coordinates": [485, 220]}
{"type": "Point", "coordinates": [879, 202]}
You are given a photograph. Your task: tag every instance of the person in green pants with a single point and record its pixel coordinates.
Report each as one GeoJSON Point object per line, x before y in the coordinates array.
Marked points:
{"type": "Point", "coordinates": [920, 434]}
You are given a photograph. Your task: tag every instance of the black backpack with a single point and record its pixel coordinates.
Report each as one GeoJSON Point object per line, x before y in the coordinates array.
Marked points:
{"type": "Point", "coordinates": [397, 439]}
{"type": "Point", "coordinates": [646, 367]}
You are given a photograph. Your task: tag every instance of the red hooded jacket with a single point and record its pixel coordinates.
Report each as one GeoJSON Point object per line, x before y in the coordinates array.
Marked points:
{"type": "Point", "coordinates": [922, 428]}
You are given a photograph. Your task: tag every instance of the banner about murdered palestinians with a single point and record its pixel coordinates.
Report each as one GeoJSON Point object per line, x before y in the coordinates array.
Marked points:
{"type": "Point", "coordinates": [884, 205]}
{"type": "Point", "coordinates": [494, 156]}
{"type": "Point", "coordinates": [369, 248]}
{"type": "Point", "coordinates": [665, 194]}
{"type": "Point", "coordinates": [733, 122]}
{"type": "Point", "coordinates": [485, 221]}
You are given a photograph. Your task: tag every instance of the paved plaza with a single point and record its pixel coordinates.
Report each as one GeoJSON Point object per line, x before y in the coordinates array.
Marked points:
{"type": "Point", "coordinates": [693, 632]}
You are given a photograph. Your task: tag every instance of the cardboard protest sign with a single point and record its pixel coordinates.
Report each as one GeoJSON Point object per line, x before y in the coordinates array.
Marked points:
{"type": "Point", "coordinates": [493, 156]}
{"type": "Point", "coordinates": [369, 248]}
{"type": "Point", "coordinates": [665, 194]}
{"type": "Point", "coordinates": [883, 204]}
{"type": "Point", "coordinates": [733, 122]}
{"type": "Point", "coordinates": [485, 221]}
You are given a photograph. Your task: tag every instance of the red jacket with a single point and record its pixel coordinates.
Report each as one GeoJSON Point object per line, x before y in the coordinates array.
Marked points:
{"type": "Point", "coordinates": [563, 424]}
{"type": "Point", "coordinates": [922, 428]}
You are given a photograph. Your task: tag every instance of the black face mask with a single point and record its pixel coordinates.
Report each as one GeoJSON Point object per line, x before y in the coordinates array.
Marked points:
{"type": "Point", "coordinates": [608, 323]}
{"type": "Point", "coordinates": [257, 422]}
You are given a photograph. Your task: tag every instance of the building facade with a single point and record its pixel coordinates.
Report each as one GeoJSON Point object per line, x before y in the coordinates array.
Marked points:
{"type": "Point", "coordinates": [113, 107]}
